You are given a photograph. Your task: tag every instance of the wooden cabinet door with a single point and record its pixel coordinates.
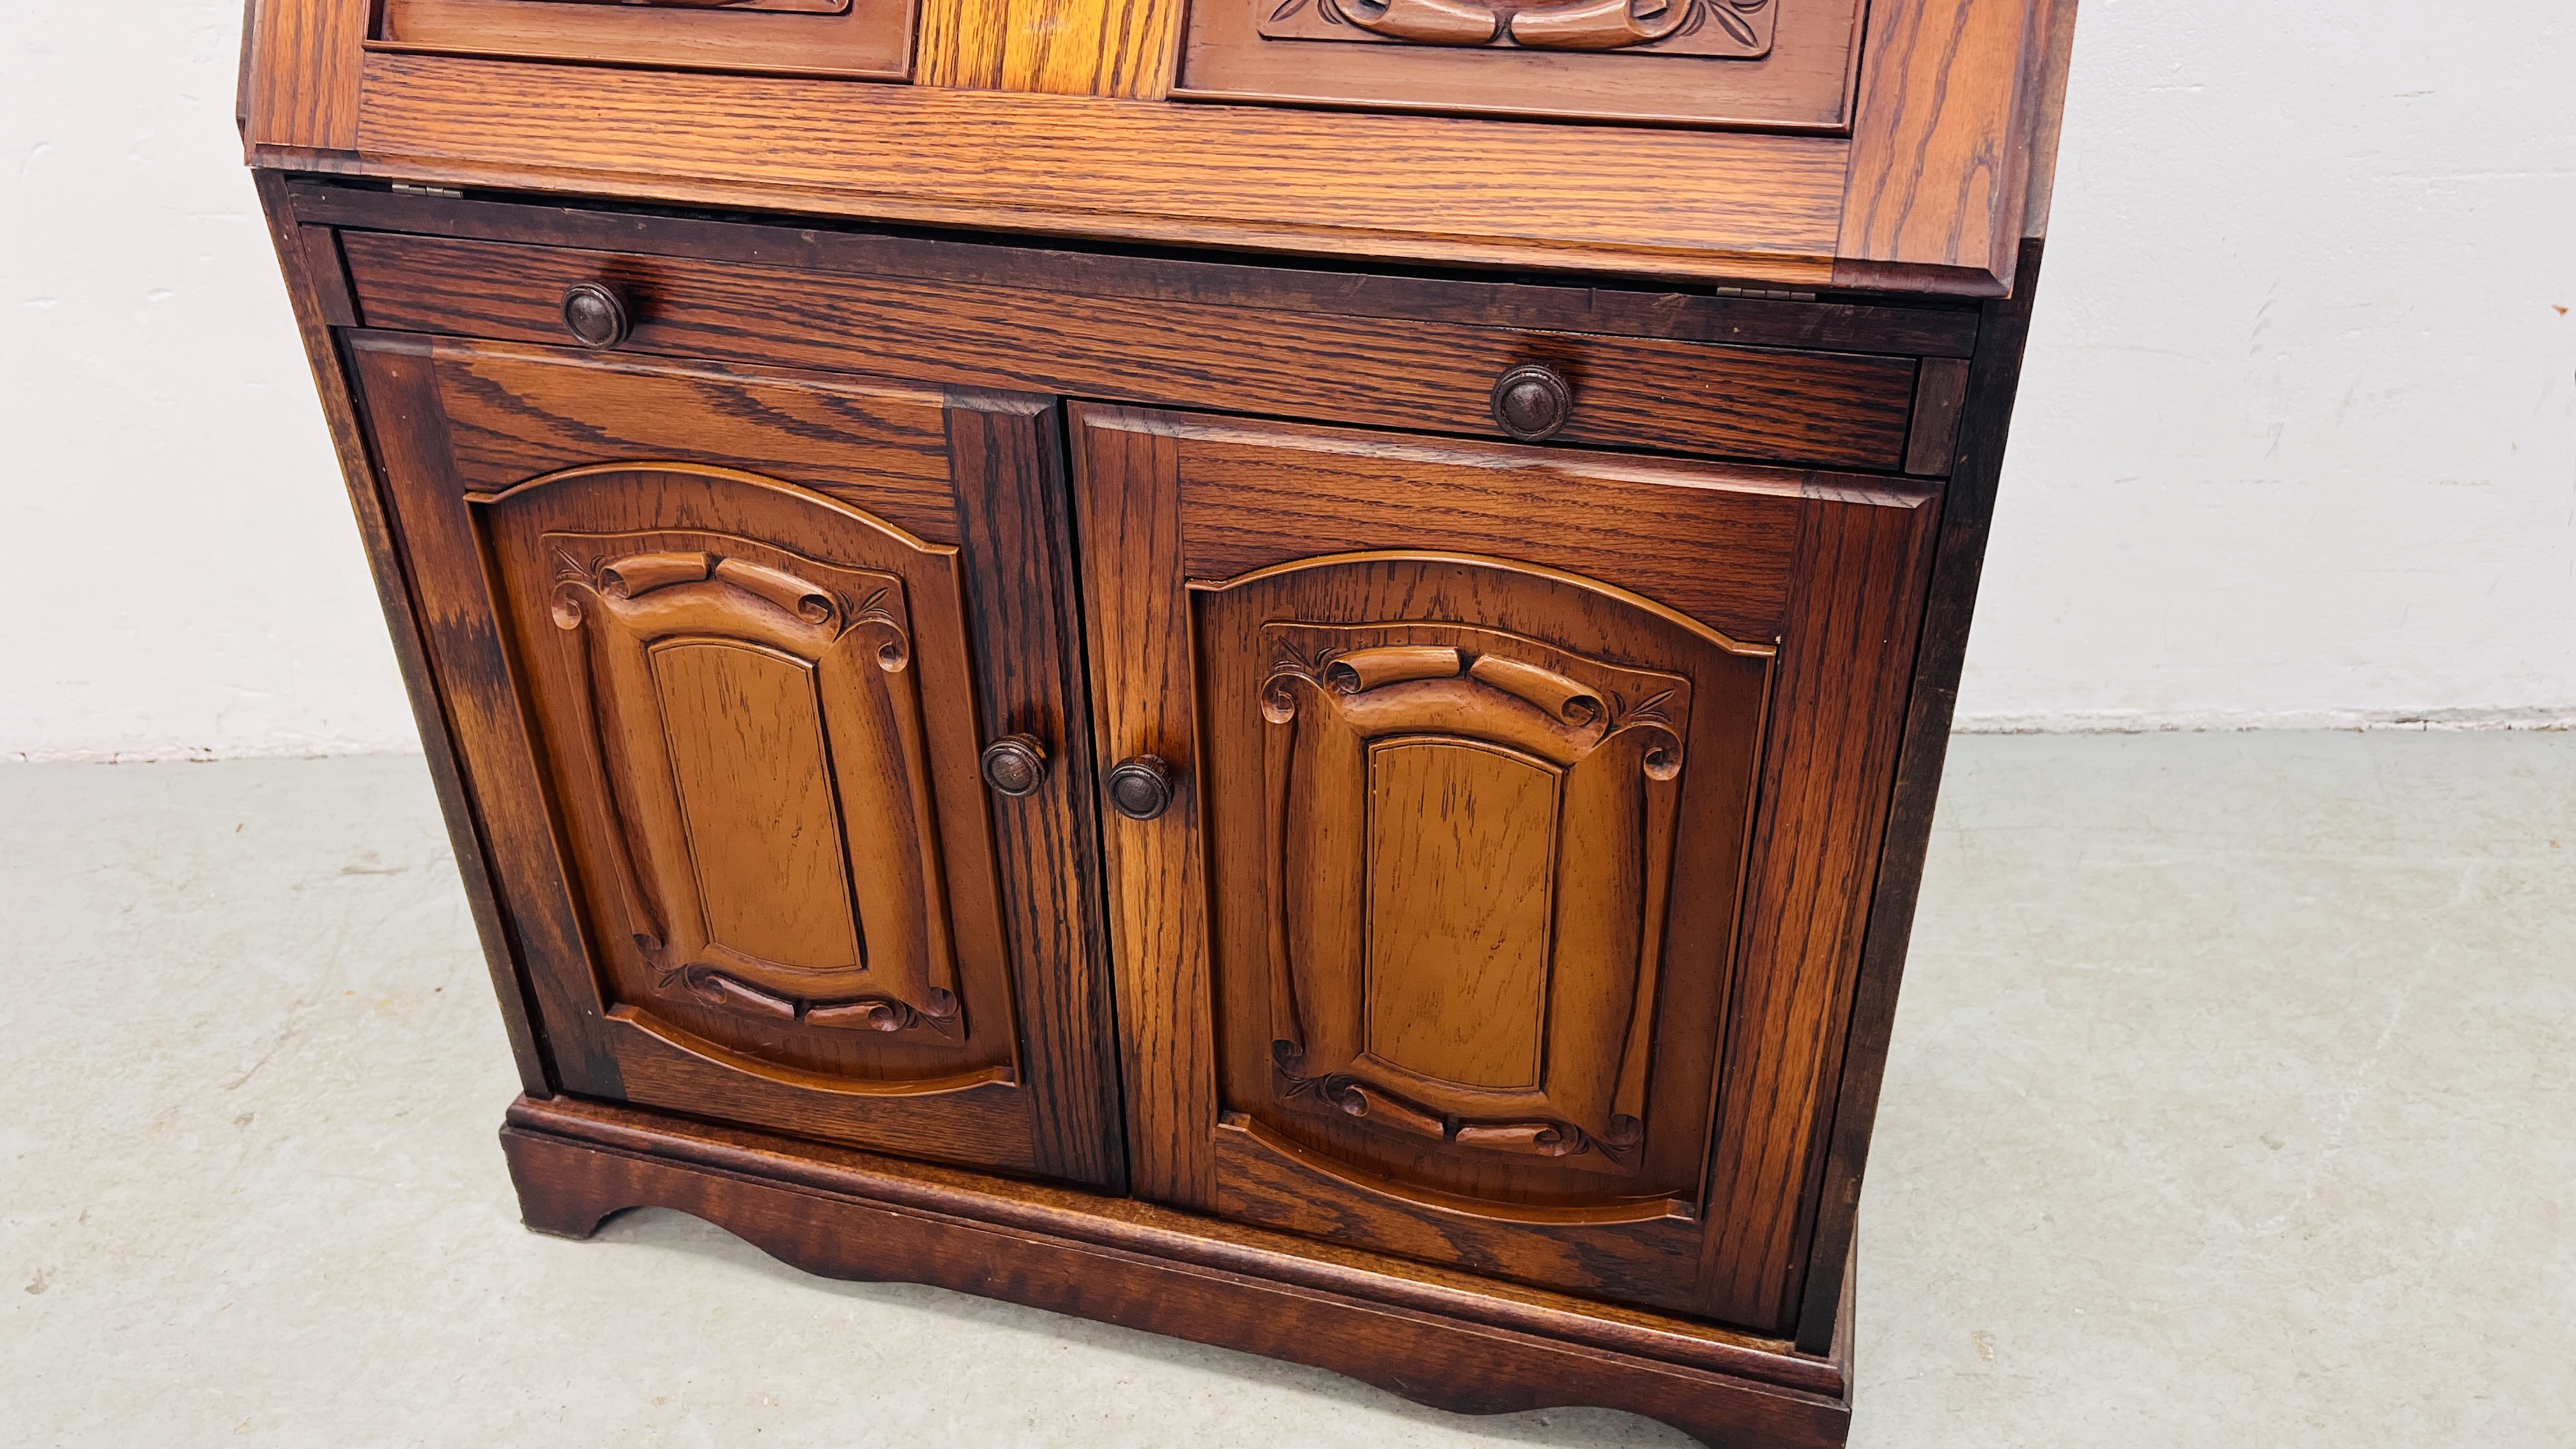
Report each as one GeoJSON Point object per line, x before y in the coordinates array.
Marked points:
{"type": "Point", "coordinates": [721, 649]}
{"type": "Point", "coordinates": [1507, 905]}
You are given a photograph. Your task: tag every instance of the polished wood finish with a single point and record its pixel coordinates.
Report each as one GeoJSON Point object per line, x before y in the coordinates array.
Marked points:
{"type": "Point", "coordinates": [744, 801]}
{"type": "Point", "coordinates": [299, 78]}
{"type": "Point", "coordinates": [1638, 310]}
{"type": "Point", "coordinates": [1917, 177]}
{"type": "Point", "coordinates": [1322, 633]}
{"type": "Point", "coordinates": [1119, 48]}
{"type": "Point", "coordinates": [1826, 408]}
{"type": "Point", "coordinates": [1931, 194]}
{"type": "Point", "coordinates": [313, 294]}
{"type": "Point", "coordinates": [1361, 799]}
{"type": "Point", "coordinates": [1438, 1337]}
{"type": "Point", "coordinates": [1231, 176]}
{"type": "Point", "coordinates": [1770, 63]}
{"type": "Point", "coordinates": [858, 39]}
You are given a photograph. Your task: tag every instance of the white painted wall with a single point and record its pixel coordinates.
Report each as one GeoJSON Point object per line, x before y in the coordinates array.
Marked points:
{"type": "Point", "coordinates": [2298, 443]}
{"type": "Point", "coordinates": [182, 577]}
{"type": "Point", "coordinates": [2297, 439]}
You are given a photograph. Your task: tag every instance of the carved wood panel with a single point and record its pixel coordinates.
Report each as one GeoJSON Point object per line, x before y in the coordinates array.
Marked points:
{"type": "Point", "coordinates": [757, 711]}
{"type": "Point", "coordinates": [751, 733]}
{"type": "Point", "coordinates": [1470, 849]}
{"type": "Point", "coordinates": [1741, 29]}
{"type": "Point", "coordinates": [1775, 63]}
{"type": "Point", "coordinates": [1504, 914]}
{"type": "Point", "coordinates": [738, 715]}
{"type": "Point", "coordinates": [1447, 837]}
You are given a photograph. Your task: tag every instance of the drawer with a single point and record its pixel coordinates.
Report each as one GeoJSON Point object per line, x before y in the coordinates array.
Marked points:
{"type": "Point", "coordinates": [1834, 409]}
{"type": "Point", "coordinates": [1779, 64]}
{"type": "Point", "coordinates": [864, 38]}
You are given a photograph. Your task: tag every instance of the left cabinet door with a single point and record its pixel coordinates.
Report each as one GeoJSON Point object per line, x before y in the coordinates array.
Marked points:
{"type": "Point", "coordinates": [721, 650]}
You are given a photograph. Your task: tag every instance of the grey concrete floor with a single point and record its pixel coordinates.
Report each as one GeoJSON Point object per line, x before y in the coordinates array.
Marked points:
{"type": "Point", "coordinates": [2230, 1105]}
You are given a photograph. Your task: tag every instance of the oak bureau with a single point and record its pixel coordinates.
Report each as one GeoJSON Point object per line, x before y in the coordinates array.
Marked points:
{"type": "Point", "coordinates": [1272, 670]}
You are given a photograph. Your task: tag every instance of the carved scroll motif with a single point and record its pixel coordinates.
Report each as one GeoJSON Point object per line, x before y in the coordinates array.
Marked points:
{"type": "Point", "coordinates": [762, 778]}
{"type": "Point", "coordinates": [1730, 29]}
{"type": "Point", "coordinates": [1469, 847]}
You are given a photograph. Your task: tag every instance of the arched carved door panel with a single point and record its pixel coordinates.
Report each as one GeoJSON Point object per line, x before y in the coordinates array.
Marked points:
{"type": "Point", "coordinates": [1469, 837]}
{"type": "Point", "coordinates": [741, 730]}
{"type": "Point", "coordinates": [721, 647]}
{"type": "Point", "coordinates": [1517, 859]}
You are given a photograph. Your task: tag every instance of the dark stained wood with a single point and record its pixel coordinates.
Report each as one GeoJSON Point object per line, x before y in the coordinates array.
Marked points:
{"type": "Point", "coordinates": [516, 412]}
{"type": "Point", "coordinates": [1022, 578]}
{"type": "Point", "coordinates": [1832, 409]}
{"type": "Point", "coordinates": [1960, 82]}
{"type": "Point", "coordinates": [1938, 395]}
{"type": "Point", "coordinates": [1262, 494]}
{"type": "Point", "coordinates": [451, 603]}
{"type": "Point", "coordinates": [394, 595]}
{"type": "Point", "coordinates": [326, 276]}
{"type": "Point", "coordinates": [1940, 162]}
{"type": "Point", "coordinates": [858, 39]}
{"type": "Point", "coordinates": [1646, 1259]}
{"type": "Point", "coordinates": [1792, 68]}
{"type": "Point", "coordinates": [1128, 515]}
{"type": "Point", "coordinates": [2049, 124]}
{"type": "Point", "coordinates": [763, 641]}
{"type": "Point", "coordinates": [1838, 326]}
{"type": "Point", "coordinates": [1437, 1337]}
{"type": "Point", "coordinates": [1509, 849]}
{"type": "Point", "coordinates": [1707, 206]}
{"type": "Point", "coordinates": [1464, 904]}
{"type": "Point", "coordinates": [1393, 1149]}
{"type": "Point", "coordinates": [1957, 566]}
{"type": "Point", "coordinates": [1845, 662]}
{"type": "Point", "coordinates": [756, 720]}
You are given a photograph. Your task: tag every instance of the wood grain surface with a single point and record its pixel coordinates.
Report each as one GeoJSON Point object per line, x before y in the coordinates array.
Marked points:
{"type": "Point", "coordinates": [745, 1035]}
{"type": "Point", "coordinates": [1126, 484]}
{"type": "Point", "coordinates": [1802, 80]}
{"type": "Point", "coordinates": [1837, 409]}
{"type": "Point", "coordinates": [1118, 48]}
{"type": "Point", "coordinates": [516, 412]}
{"type": "Point", "coordinates": [1710, 205]}
{"type": "Point", "coordinates": [1013, 520]}
{"type": "Point", "coordinates": [1958, 563]}
{"type": "Point", "coordinates": [1667, 313]}
{"type": "Point", "coordinates": [434, 535]}
{"type": "Point", "coordinates": [859, 39]}
{"type": "Point", "coordinates": [299, 77]}
{"type": "Point", "coordinates": [1940, 158]}
{"type": "Point", "coordinates": [1846, 662]}
{"type": "Point", "coordinates": [1434, 1335]}
{"type": "Point", "coordinates": [1925, 193]}
{"type": "Point", "coordinates": [394, 594]}
{"type": "Point", "coordinates": [1848, 570]}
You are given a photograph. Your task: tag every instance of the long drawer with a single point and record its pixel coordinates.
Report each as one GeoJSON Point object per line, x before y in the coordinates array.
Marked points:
{"type": "Point", "coordinates": [1841, 410]}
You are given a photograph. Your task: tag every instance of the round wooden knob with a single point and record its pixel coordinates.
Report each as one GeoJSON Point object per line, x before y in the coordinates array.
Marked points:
{"type": "Point", "coordinates": [1532, 401]}
{"type": "Point", "coordinates": [1015, 765]}
{"type": "Point", "coordinates": [1140, 788]}
{"type": "Point", "coordinates": [596, 314]}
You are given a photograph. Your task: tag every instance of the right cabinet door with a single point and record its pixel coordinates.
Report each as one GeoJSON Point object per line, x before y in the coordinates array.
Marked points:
{"type": "Point", "coordinates": [1502, 906]}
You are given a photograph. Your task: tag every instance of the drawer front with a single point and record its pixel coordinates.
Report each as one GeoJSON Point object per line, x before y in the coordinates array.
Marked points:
{"type": "Point", "coordinates": [1771, 63]}
{"type": "Point", "coordinates": [863, 38]}
{"type": "Point", "coordinates": [1832, 409]}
